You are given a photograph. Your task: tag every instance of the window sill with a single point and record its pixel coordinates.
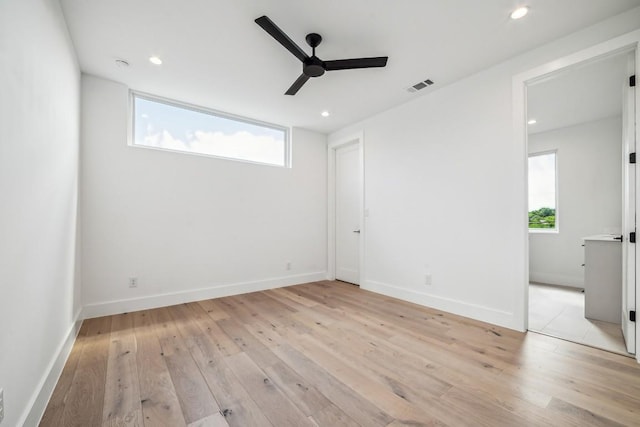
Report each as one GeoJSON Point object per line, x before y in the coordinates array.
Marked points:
{"type": "Point", "coordinates": [544, 231]}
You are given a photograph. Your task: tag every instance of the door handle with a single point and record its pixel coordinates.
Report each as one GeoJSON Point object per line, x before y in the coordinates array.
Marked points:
{"type": "Point", "coordinates": [356, 231]}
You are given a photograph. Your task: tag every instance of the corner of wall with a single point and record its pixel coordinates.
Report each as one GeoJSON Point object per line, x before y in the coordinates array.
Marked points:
{"type": "Point", "coordinates": [49, 379]}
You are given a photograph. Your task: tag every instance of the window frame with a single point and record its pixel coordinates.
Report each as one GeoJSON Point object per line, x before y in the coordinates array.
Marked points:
{"type": "Point", "coordinates": [131, 140]}
{"type": "Point", "coordinates": [556, 229]}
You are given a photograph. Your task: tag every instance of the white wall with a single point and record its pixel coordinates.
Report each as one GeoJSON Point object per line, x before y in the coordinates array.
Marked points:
{"type": "Point", "coordinates": [444, 187]}
{"type": "Point", "coordinates": [589, 158]}
{"type": "Point", "coordinates": [39, 139]}
{"type": "Point", "coordinates": [191, 227]}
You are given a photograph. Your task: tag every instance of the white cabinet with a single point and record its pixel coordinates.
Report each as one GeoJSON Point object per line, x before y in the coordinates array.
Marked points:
{"type": "Point", "coordinates": [603, 278]}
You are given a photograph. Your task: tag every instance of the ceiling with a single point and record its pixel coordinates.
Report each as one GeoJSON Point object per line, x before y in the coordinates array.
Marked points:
{"type": "Point", "coordinates": [581, 94]}
{"type": "Point", "coordinates": [216, 56]}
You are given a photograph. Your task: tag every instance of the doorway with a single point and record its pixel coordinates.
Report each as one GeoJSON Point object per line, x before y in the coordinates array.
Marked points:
{"type": "Point", "coordinates": [346, 215]}
{"type": "Point", "coordinates": [556, 279]}
{"type": "Point", "coordinates": [575, 162]}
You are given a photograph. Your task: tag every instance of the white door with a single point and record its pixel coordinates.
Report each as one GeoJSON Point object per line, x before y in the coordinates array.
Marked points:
{"type": "Point", "coordinates": [348, 188]}
{"type": "Point", "coordinates": [629, 214]}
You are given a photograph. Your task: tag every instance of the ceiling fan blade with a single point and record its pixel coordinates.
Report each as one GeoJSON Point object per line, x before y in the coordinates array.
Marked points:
{"type": "Point", "coordinates": [348, 64]}
{"type": "Point", "coordinates": [295, 87]}
{"type": "Point", "coordinates": [275, 32]}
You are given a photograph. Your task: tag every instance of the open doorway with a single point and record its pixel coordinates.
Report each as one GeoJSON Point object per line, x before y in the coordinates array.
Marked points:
{"type": "Point", "coordinates": [581, 203]}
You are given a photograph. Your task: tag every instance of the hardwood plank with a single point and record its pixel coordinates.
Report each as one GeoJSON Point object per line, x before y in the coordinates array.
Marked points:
{"type": "Point", "coordinates": [489, 410]}
{"type": "Point", "coordinates": [583, 417]}
{"type": "Point", "coordinates": [160, 405]}
{"type": "Point", "coordinates": [223, 342]}
{"type": "Point", "coordinates": [580, 394]}
{"type": "Point", "coordinates": [248, 343]}
{"type": "Point", "coordinates": [348, 400]}
{"type": "Point", "coordinates": [213, 309]}
{"type": "Point", "coordinates": [291, 295]}
{"type": "Point", "coordinates": [265, 302]}
{"type": "Point", "coordinates": [378, 357]}
{"type": "Point", "coordinates": [418, 370]}
{"type": "Point", "coordinates": [122, 389]}
{"type": "Point", "coordinates": [268, 333]}
{"type": "Point", "coordinates": [187, 317]}
{"type": "Point", "coordinates": [401, 423]}
{"type": "Point", "coordinates": [238, 407]}
{"type": "Point", "coordinates": [274, 404]}
{"type": "Point", "coordinates": [85, 400]}
{"type": "Point", "coordinates": [284, 320]}
{"type": "Point", "coordinates": [305, 396]}
{"type": "Point", "coordinates": [390, 396]}
{"type": "Point", "coordinates": [330, 354]}
{"type": "Point", "coordinates": [237, 309]}
{"type": "Point", "coordinates": [442, 354]}
{"type": "Point", "coordinates": [333, 416]}
{"type": "Point", "coordinates": [215, 420]}
{"type": "Point", "coordinates": [194, 396]}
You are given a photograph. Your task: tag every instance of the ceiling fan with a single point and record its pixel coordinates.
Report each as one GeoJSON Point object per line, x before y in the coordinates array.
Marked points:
{"type": "Point", "coordinates": [312, 66]}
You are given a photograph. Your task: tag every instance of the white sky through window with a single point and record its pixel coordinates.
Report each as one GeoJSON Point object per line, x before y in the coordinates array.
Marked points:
{"type": "Point", "coordinates": [172, 127]}
{"type": "Point", "coordinates": [542, 181]}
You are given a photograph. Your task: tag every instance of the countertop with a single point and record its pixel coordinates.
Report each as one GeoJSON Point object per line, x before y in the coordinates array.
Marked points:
{"type": "Point", "coordinates": [603, 237]}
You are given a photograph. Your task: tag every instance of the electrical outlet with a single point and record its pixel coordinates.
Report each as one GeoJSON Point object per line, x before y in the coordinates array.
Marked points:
{"type": "Point", "coordinates": [427, 279]}
{"type": "Point", "coordinates": [1, 405]}
{"type": "Point", "coordinates": [288, 265]}
{"type": "Point", "coordinates": [133, 282]}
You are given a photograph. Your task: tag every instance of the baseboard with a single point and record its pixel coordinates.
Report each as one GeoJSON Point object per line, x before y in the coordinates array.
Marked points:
{"type": "Point", "coordinates": [556, 279]}
{"type": "Point", "coordinates": [163, 300]}
{"type": "Point", "coordinates": [461, 308]}
{"type": "Point", "coordinates": [40, 399]}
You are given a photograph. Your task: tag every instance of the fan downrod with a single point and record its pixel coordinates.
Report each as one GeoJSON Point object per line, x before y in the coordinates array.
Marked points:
{"type": "Point", "coordinates": [313, 66]}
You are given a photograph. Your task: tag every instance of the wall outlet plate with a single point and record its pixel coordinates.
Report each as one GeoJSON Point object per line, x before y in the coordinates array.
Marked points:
{"type": "Point", "coordinates": [133, 282]}
{"type": "Point", "coordinates": [427, 279]}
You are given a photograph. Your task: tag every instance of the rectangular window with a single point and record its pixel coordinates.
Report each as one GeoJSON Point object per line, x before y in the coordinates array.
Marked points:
{"type": "Point", "coordinates": [542, 192]}
{"type": "Point", "coordinates": [173, 126]}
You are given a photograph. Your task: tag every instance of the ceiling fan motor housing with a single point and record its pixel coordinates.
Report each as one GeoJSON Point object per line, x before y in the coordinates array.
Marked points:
{"type": "Point", "coordinates": [313, 67]}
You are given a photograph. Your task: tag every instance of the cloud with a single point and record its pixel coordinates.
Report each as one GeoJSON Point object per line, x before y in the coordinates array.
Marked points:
{"type": "Point", "coordinates": [240, 145]}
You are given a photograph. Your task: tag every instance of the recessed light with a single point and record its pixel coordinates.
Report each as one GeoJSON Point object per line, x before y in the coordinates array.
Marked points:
{"type": "Point", "coordinates": [155, 60]}
{"type": "Point", "coordinates": [121, 63]}
{"type": "Point", "coordinates": [519, 12]}
{"type": "Point", "coordinates": [532, 122]}
{"type": "Point", "coordinates": [325, 114]}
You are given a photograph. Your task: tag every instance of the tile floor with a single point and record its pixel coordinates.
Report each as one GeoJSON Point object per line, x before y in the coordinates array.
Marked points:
{"type": "Point", "coordinates": [559, 311]}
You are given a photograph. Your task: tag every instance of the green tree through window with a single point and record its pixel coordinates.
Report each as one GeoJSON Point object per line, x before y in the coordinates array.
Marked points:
{"type": "Point", "coordinates": [542, 191]}
{"type": "Point", "coordinates": [542, 218]}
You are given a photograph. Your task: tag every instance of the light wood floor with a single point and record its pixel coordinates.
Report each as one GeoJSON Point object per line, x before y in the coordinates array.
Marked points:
{"type": "Point", "coordinates": [330, 354]}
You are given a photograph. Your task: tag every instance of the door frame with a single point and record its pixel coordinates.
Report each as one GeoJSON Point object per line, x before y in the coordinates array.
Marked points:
{"type": "Point", "coordinates": [629, 195]}
{"type": "Point", "coordinates": [356, 138]}
{"type": "Point", "coordinates": [625, 43]}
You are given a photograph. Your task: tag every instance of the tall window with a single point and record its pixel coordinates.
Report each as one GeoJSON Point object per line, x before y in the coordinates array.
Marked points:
{"type": "Point", "coordinates": [173, 126]}
{"type": "Point", "coordinates": [542, 191]}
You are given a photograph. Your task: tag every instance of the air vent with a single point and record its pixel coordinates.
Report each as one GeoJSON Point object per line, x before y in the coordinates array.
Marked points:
{"type": "Point", "coordinates": [419, 86]}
